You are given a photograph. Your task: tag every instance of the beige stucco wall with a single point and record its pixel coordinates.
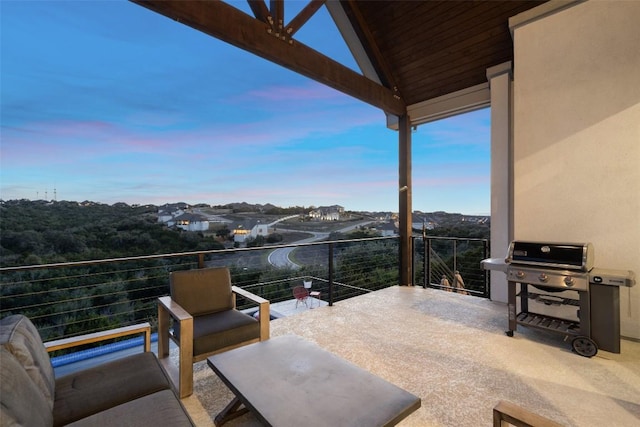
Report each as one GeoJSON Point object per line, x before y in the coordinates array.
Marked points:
{"type": "Point", "coordinates": [577, 135]}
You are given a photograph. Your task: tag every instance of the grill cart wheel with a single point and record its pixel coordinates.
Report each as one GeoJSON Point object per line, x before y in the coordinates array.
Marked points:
{"type": "Point", "coordinates": [509, 333]}
{"type": "Point", "coordinates": [584, 346]}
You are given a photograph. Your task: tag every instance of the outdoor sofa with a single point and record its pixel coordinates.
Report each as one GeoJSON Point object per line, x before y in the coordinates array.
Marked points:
{"type": "Point", "coordinates": [131, 391]}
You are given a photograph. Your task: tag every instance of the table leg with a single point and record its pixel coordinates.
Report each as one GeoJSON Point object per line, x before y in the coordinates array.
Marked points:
{"type": "Point", "coordinates": [230, 412]}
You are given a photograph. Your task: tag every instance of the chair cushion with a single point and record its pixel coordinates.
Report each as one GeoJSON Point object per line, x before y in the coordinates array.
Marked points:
{"type": "Point", "coordinates": [202, 291]}
{"type": "Point", "coordinates": [21, 338]}
{"type": "Point", "coordinates": [157, 409]}
{"type": "Point", "coordinates": [23, 403]}
{"type": "Point", "coordinates": [216, 331]}
{"type": "Point", "coordinates": [87, 392]}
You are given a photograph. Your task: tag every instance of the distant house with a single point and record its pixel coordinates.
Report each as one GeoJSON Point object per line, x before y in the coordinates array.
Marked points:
{"type": "Point", "coordinates": [250, 228]}
{"type": "Point", "coordinates": [191, 222]}
{"type": "Point", "coordinates": [240, 234]}
{"type": "Point", "coordinates": [388, 229]}
{"type": "Point", "coordinates": [327, 213]}
{"type": "Point", "coordinates": [253, 229]}
{"type": "Point", "coordinates": [167, 213]}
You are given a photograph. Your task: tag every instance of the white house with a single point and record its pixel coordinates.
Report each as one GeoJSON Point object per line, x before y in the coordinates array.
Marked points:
{"type": "Point", "coordinates": [191, 222]}
{"type": "Point", "coordinates": [327, 213]}
{"type": "Point", "coordinates": [253, 229]}
{"type": "Point", "coordinates": [168, 212]}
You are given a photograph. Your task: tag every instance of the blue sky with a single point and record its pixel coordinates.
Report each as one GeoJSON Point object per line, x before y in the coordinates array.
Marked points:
{"type": "Point", "coordinates": [110, 102]}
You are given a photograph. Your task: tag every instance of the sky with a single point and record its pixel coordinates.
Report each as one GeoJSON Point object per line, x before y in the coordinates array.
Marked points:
{"type": "Point", "coordinates": [110, 102]}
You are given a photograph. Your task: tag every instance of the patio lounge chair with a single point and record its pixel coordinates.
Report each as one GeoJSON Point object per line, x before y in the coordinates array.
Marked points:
{"type": "Point", "coordinates": [205, 320]}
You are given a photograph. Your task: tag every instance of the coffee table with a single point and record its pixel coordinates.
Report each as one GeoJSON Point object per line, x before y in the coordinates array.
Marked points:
{"type": "Point", "coordinates": [289, 381]}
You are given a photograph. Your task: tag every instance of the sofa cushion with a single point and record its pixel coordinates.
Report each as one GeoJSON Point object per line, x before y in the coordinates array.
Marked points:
{"type": "Point", "coordinates": [23, 404]}
{"type": "Point", "coordinates": [21, 338]}
{"type": "Point", "coordinates": [157, 409]}
{"type": "Point", "coordinates": [219, 330]}
{"type": "Point", "coordinates": [92, 390]}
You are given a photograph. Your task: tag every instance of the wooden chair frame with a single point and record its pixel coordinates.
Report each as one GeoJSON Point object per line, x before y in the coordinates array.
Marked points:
{"type": "Point", "coordinates": [141, 328]}
{"type": "Point", "coordinates": [182, 378]}
{"type": "Point", "coordinates": [507, 413]}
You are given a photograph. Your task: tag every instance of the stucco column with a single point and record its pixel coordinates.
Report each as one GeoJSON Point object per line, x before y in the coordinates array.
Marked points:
{"type": "Point", "coordinates": [500, 82]}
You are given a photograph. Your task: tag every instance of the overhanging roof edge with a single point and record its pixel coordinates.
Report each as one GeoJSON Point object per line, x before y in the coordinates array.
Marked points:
{"type": "Point", "coordinates": [454, 103]}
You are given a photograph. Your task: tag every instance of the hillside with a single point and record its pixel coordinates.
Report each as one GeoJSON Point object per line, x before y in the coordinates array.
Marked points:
{"type": "Point", "coordinates": [39, 232]}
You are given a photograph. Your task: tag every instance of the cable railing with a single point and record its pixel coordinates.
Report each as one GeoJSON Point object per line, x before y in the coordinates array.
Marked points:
{"type": "Point", "coordinates": [73, 298]}
{"type": "Point", "coordinates": [440, 258]}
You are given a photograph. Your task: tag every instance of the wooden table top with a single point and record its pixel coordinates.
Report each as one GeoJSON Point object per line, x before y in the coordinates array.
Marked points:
{"type": "Point", "coordinates": [289, 381]}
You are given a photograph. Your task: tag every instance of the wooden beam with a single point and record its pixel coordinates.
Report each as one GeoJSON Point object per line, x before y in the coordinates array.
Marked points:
{"type": "Point", "coordinates": [229, 24]}
{"type": "Point", "coordinates": [370, 46]}
{"type": "Point", "coordinates": [303, 16]}
{"type": "Point", "coordinates": [405, 200]}
{"type": "Point", "coordinates": [260, 11]}
{"type": "Point", "coordinates": [277, 11]}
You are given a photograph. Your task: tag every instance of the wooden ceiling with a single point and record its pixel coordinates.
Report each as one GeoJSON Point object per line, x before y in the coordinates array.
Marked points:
{"type": "Point", "coordinates": [412, 51]}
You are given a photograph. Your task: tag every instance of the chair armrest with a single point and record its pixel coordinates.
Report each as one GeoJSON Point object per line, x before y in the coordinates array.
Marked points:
{"type": "Point", "coordinates": [175, 310]}
{"type": "Point", "coordinates": [248, 295]}
{"type": "Point", "coordinates": [265, 316]}
{"type": "Point", "coordinates": [142, 328]}
{"type": "Point", "coordinates": [167, 307]}
{"type": "Point", "coordinates": [183, 378]}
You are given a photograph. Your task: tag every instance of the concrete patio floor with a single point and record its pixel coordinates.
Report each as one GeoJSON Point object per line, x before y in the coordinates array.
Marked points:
{"type": "Point", "coordinates": [452, 352]}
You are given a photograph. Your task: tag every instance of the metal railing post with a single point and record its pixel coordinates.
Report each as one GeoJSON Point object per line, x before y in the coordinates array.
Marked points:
{"type": "Point", "coordinates": [428, 266]}
{"type": "Point", "coordinates": [413, 261]}
{"type": "Point", "coordinates": [487, 276]}
{"type": "Point", "coordinates": [424, 261]}
{"type": "Point", "coordinates": [330, 274]}
{"type": "Point", "coordinates": [455, 255]}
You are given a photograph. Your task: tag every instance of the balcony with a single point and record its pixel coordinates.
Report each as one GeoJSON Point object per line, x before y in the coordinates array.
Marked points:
{"type": "Point", "coordinates": [450, 350]}
{"type": "Point", "coordinates": [447, 348]}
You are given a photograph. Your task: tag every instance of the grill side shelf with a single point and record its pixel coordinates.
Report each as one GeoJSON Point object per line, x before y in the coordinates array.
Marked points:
{"type": "Point", "coordinates": [548, 323]}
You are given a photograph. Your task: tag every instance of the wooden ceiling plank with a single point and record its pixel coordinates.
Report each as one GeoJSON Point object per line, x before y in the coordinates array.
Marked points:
{"type": "Point", "coordinates": [370, 46]}
{"type": "Point", "coordinates": [438, 38]}
{"type": "Point", "coordinates": [470, 20]}
{"type": "Point", "coordinates": [450, 80]}
{"type": "Point", "coordinates": [229, 24]}
{"type": "Point", "coordinates": [414, 26]}
{"type": "Point", "coordinates": [474, 48]}
{"type": "Point", "coordinates": [303, 16]}
{"type": "Point", "coordinates": [489, 58]}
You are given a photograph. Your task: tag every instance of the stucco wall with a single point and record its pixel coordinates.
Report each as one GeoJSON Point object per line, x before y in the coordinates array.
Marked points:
{"type": "Point", "coordinates": [577, 135]}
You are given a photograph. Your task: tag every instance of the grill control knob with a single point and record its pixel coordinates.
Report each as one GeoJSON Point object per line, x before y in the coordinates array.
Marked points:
{"type": "Point", "coordinates": [568, 280]}
{"type": "Point", "coordinates": [520, 274]}
{"type": "Point", "coordinates": [543, 278]}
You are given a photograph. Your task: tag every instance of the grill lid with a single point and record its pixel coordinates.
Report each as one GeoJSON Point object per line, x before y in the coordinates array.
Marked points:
{"type": "Point", "coordinates": [570, 256]}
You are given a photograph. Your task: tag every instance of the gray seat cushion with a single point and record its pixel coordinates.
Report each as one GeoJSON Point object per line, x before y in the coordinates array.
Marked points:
{"type": "Point", "coordinates": [212, 332]}
{"type": "Point", "coordinates": [157, 409]}
{"type": "Point", "coordinates": [87, 392]}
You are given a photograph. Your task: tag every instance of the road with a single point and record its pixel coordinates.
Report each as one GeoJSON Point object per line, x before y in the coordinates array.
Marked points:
{"type": "Point", "coordinates": [280, 257]}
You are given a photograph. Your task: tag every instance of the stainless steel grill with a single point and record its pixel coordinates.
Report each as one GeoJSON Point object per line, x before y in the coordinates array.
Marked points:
{"type": "Point", "coordinates": [538, 271]}
{"type": "Point", "coordinates": [550, 266]}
